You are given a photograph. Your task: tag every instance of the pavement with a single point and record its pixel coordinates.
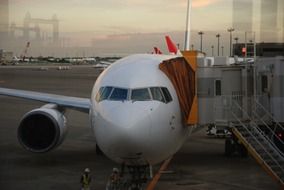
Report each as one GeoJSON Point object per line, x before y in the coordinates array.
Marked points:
{"type": "Point", "coordinates": [200, 164]}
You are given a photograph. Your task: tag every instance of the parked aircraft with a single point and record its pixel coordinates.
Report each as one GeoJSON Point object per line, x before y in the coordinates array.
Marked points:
{"type": "Point", "coordinates": [134, 111]}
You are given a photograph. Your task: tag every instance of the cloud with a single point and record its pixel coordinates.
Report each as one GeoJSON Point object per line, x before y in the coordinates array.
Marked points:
{"type": "Point", "coordinates": [203, 3]}
{"type": "Point", "coordinates": [141, 3]}
{"type": "Point", "coordinates": [129, 2]}
{"type": "Point", "coordinates": [198, 3]}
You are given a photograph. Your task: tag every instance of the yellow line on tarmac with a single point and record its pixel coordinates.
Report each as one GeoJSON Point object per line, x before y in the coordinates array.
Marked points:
{"type": "Point", "coordinates": [157, 176]}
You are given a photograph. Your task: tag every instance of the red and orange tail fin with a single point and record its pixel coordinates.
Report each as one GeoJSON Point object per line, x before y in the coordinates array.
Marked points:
{"type": "Point", "coordinates": [171, 46]}
{"type": "Point", "coordinates": [157, 51]}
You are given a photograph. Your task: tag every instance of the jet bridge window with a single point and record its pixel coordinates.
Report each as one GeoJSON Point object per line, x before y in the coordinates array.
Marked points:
{"type": "Point", "coordinates": [119, 94]}
{"type": "Point", "coordinates": [217, 87]}
{"type": "Point", "coordinates": [264, 83]}
{"type": "Point", "coordinates": [140, 94]}
{"type": "Point", "coordinates": [103, 93]}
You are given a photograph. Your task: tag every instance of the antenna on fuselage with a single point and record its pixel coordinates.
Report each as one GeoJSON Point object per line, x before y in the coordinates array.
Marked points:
{"type": "Point", "coordinates": [188, 26]}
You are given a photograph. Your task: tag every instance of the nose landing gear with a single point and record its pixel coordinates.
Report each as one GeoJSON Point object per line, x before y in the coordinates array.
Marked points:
{"type": "Point", "coordinates": [134, 178]}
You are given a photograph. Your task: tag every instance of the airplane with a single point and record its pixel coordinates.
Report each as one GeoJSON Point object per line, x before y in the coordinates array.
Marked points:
{"type": "Point", "coordinates": [15, 60]}
{"type": "Point", "coordinates": [134, 109]}
{"type": "Point", "coordinates": [102, 65]}
{"type": "Point", "coordinates": [171, 46]}
{"type": "Point", "coordinates": [157, 51]}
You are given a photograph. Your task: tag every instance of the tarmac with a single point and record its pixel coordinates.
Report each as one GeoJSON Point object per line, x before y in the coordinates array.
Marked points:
{"type": "Point", "coordinates": [200, 163]}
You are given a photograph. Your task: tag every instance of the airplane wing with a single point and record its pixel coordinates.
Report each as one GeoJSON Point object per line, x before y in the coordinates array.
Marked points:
{"type": "Point", "coordinates": [106, 62]}
{"type": "Point", "coordinates": [80, 104]}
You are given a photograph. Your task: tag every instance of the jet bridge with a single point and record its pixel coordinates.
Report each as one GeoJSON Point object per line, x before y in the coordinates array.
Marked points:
{"type": "Point", "coordinates": [245, 97]}
{"type": "Point", "coordinates": [182, 73]}
{"type": "Point", "coordinates": [259, 140]}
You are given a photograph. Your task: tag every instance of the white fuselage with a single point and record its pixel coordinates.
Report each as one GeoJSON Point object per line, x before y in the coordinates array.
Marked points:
{"type": "Point", "coordinates": [131, 131]}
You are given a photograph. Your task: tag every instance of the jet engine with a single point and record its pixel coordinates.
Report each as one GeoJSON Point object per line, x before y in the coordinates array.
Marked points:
{"type": "Point", "coordinates": [43, 129]}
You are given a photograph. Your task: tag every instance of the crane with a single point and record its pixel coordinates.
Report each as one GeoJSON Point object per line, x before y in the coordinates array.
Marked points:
{"type": "Point", "coordinates": [25, 51]}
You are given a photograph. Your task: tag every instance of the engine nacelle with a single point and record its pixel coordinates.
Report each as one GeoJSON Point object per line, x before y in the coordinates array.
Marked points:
{"type": "Point", "coordinates": [42, 129]}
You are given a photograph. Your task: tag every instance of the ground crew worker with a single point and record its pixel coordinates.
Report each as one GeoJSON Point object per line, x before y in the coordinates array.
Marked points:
{"type": "Point", "coordinates": [114, 180]}
{"type": "Point", "coordinates": [86, 180]}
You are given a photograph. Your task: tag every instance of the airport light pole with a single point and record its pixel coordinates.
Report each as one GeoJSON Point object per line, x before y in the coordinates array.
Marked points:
{"type": "Point", "coordinates": [201, 34]}
{"type": "Point", "coordinates": [188, 26]}
{"type": "Point", "coordinates": [218, 45]}
{"type": "Point", "coordinates": [231, 30]}
{"type": "Point", "coordinates": [212, 47]}
{"type": "Point", "coordinates": [236, 39]}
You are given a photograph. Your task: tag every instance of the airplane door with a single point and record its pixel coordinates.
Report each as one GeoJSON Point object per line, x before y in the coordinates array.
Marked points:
{"type": "Point", "coordinates": [232, 80]}
{"type": "Point", "coordinates": [265, 89]}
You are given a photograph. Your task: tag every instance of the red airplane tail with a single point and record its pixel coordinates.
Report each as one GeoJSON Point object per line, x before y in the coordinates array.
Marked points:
{"type": "Point", "coordinates": [157, 51]}
{"type": "Point", "coordinates": [171, 46]}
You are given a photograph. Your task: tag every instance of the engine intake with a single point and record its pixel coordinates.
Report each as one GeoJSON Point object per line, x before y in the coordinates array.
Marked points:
{"type": "Point", "coordinates": [42, 130]}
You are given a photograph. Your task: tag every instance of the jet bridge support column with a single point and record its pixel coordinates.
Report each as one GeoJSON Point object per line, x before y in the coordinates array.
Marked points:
{"type": "Point", "coordinates": [191, 59]}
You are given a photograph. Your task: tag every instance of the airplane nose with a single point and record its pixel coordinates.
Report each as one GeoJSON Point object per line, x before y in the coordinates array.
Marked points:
{"type": "Point", "coordinates": [123, 130]}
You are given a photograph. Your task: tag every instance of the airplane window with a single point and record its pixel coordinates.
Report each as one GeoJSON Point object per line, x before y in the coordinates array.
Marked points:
{"type": "Point", "coordinates": [98, 96]}
{"type": "Point", "coordinates": [140, 94]}
{"type": "Point", "coordinates": [167, 94]}
{"type": "Point", "coordinates": [103, 93]}
{"type": "Point", "coordinates": [157, 94]}
{"type": "Point", "coordinates": [119, 94]}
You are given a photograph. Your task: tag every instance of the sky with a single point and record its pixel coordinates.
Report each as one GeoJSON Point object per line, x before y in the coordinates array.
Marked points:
{"type": "Point", "coordinates": [109, 24]}
{"type": "Point", "coordinates": [110, 15]}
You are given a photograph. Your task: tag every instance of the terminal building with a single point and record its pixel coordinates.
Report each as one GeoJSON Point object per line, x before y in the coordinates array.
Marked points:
{"type": "Point", "coordinates": [262, 49]}
{"type": "Point", "coordinates": [6, 57]}
{"type": "Point", "coordinates": [4, 22]}
{"type": "Point", "coordinates": [245, 95]}
{"type": "Point", "coordinates": [265, 18]}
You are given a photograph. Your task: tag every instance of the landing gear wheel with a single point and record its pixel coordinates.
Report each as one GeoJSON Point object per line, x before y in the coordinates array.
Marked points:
{"type": "Point", "coordinates": [135, 178]}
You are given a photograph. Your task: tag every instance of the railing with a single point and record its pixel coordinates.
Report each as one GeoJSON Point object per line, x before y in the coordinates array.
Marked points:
{"type": "Point", "coordinates": [260, 131]}
{"type": "Point", "coordinates": [259, 143]}
{"type": "Point", "coordinates": [277, 124]}
{"type": "Point", "coordinates": [224, 105]}
{"type": "Point", "coordinates": [254, 107]}
{"type": "Point", "coordinates": [236, 103]}
{"type": "Point", "coordinates": [253, 131]}
{"type": "Point", "coordinates": [272, 137]}
{"type": "Point", "coordinates": [255, 115]}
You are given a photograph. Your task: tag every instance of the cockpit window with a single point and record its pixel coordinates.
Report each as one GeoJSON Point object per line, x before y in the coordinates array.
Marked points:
{"type": "Point", "coordinates": [140, 94]}
{"type": "Point", "coordinates": [103, 93]}
{"type": "Point", "coordinates": [157, 94]}
{"type": "Point", "coordinates": [167, 94]}
{"type": "Point", "coordinates": [119, 94]}
{"type": "Point", "coordinates": [160, 94]}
